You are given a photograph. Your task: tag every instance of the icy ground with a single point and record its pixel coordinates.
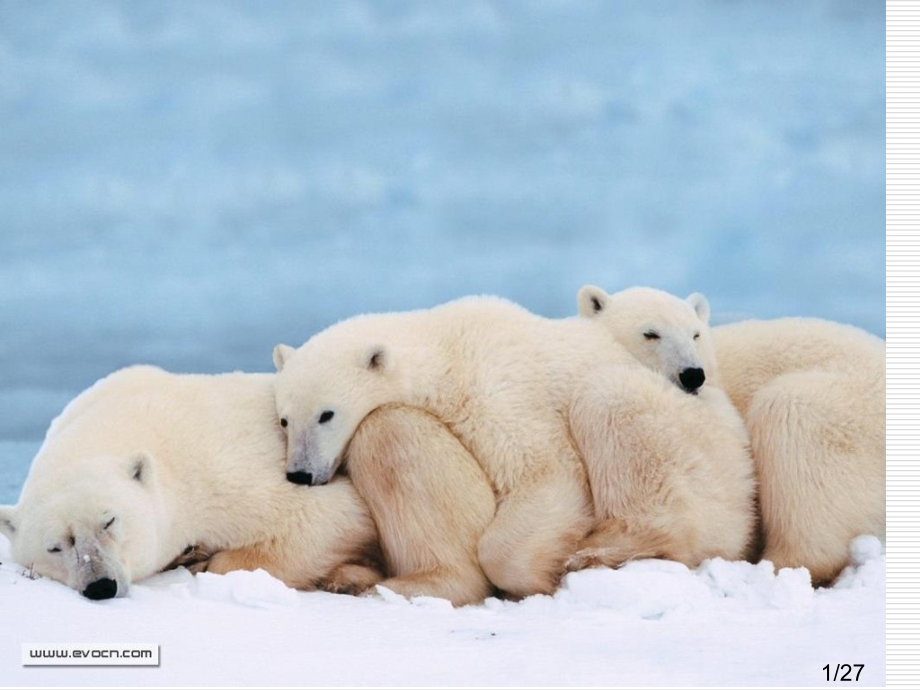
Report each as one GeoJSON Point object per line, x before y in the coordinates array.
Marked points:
{"type": "Point", "coordinates": [651, 623]}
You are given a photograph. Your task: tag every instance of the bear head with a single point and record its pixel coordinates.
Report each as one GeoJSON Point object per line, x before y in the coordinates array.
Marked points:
{"type": "Point", "coordinates": [92, 526]}
{"type": "Point", "coordinates": [665, 333]}
{"type": "Point", "coordinates": [323, 391]}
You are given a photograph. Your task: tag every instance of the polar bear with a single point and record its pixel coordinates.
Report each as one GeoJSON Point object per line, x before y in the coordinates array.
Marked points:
{"type": "Point", "coordinates": [145, 464]}
{"type": "Point", "coordinates": [506, 382]}
{"type": "Point", "coordinates": [812, 394]}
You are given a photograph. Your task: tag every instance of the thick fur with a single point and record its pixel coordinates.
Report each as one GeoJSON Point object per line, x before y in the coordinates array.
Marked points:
{"type": "Point", "coordinates": [812, 395]}
{"type": "Point", "coordinates": [145, 464]}
{"type": "Point", "coordinates": [505, 382]}
{"type": "Point", "coordinates": [679, 479]}
{"type": "Point", "coordinates": [431, 502]}
{"type": "Point", "coordinates": [696, 488]}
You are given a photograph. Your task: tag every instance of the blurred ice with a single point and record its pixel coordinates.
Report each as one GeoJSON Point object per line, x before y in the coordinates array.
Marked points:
{"type": "Point", "coordinates": [189, 183]}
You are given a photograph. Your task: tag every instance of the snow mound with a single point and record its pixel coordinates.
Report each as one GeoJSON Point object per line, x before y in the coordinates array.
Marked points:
{"type": "Point", "coordinates": [864, 549]}
{"type": "Point", "coordinates": [757, 584]}
{"type": "Point", "coordinates": [425, 602]}
{"type": "Point", "coordinates": [650, 589]}
{"type": "Point", "coordinates": [256, 589]}
{"type": "Point", "coordinates": [654, 589]}
{"type": "Point", "coordinates": [867, 568]}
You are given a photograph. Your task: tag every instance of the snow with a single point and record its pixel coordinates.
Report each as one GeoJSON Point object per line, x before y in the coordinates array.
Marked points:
{"type": "Point", "coordinates": [650, 623]}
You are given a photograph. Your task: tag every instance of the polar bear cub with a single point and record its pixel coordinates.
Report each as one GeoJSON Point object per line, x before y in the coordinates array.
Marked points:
{"type": "Point", "coordinates": [812, 395]}
{"type": "Point", "coordinates": [542, 404]}
{"type": "Point", "coordinates": [145, 464]}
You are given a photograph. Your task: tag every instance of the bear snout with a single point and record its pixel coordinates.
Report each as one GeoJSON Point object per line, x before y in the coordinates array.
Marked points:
{"type": "Point", "coordinates": [692, 378]}
{"type": "Point", "coordinates": [300, 477]}
{"type": "Point", "coordinates": [103, 588]}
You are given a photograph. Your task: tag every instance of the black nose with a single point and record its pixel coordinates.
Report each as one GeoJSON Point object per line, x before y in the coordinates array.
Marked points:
{"type": "Point", "coordinates": [300, 477]}
{"type": "Point", "coordinates": [691, 379]}
{"type": "Point", "coordinates": [103, 588]}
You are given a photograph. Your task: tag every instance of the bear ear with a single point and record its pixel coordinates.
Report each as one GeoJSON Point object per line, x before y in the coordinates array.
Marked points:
{"type": "Point", "coordinates": [8, 521]}
{"type": "Point", "coordinates": [592, 300]}
{"type": "Point", "coordinates": [281, 354]}
{"type": "Point", "coordinates": [377, 358]}
{"type": "Point", "coordinates": [700, 305]}
{"type": "Point", "coordinates": [141, 468]}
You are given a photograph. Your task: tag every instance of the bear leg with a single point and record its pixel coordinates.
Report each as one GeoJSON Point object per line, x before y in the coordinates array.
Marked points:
{"type": "Point", "coordinates": [535, 530]}
{"type": "Point", "coordinates": [430, 499]}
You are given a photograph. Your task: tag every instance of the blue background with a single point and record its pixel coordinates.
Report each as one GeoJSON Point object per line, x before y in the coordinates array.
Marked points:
{"type": "Point", "coordinates": [188, 184]}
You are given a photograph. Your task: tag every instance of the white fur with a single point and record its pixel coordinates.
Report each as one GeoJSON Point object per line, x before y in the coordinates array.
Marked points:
{"type": "Point", "coordinates": [812, 394]}
{"type": "Point", "coordinates": [705, 446]}
{"type": "Point", "coordinates": [505, 382]}
{"type": "Point", "coordinates": [431, 502]}
{"type": "Point", "coordinates": [146, 463]}
{"type": "Point", "coordinates": [634, 315]}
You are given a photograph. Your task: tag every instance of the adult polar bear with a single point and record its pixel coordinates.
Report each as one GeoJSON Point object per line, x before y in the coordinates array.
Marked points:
{"type": "Point", "coordinates": [506, 382]}
{"type": "Point", "coordinates": [812, 393]}
{"type": "Point", "coordinates": [145, 463]}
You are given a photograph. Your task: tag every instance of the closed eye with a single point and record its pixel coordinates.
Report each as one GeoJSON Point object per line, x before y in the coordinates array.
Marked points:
{"type": "Point", "coordinates": [651, 335]}
{"type": "Point", "coordinates": [54, 549]}
{"type": "Point", "coordinates": [109, 523]}
{"type": "Point", "coordinates": [696, 336]}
